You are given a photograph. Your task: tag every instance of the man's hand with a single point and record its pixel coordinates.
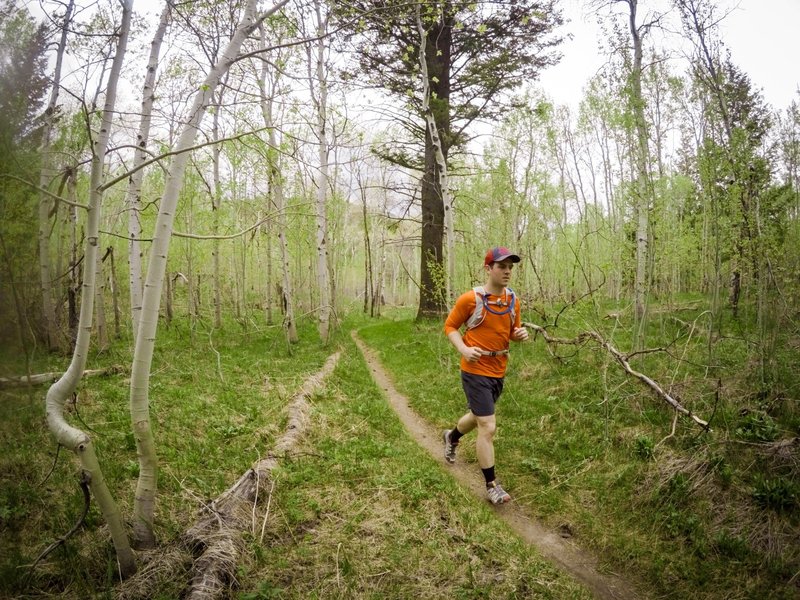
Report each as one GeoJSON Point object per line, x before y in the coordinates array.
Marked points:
{"type": "Point", "coordinates": [520, 334]}
{"type": "Point", "coordinates": [471, 353]}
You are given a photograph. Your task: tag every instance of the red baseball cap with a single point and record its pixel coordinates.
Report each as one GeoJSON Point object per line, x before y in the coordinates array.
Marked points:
{"type": "Point", "coordinates": [499, 253]}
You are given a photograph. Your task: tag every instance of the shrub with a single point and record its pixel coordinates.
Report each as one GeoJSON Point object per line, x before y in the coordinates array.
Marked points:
{"type": "Point", "coordinates": [776, 493]}
{"type": "Point", "coordinates": [757, 427]}
{"type": "Point", "coordinates": [644, 447]}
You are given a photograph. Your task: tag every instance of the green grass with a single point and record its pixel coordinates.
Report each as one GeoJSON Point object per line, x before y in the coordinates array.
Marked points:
{"type": "Point", "coordinates": [361, 511]}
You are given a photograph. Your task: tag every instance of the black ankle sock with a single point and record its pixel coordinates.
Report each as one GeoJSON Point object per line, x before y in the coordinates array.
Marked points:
{"type": "Point", "coordinates": [488, 475]}
{"type": "Point", "coordinates": [455, 435]}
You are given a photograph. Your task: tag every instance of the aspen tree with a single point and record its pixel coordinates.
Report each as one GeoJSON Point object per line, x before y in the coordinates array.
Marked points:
{"type": "Point", "coordinates": [319, 97]}
{"type": "Point", "coordinates": [133, 197]}
{"type": "Point", "coordinates": [144, 505]}
{"type": "Point", "coordinates": [70, 437]}
{"type": "Point", "coordinates": [276, 191]}
{"type": "Point", "coordinates": [45, 179]}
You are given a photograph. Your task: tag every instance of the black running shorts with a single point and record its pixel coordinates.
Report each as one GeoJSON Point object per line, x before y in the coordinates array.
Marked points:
{"type": "Point", "coordinates": [482, 392]}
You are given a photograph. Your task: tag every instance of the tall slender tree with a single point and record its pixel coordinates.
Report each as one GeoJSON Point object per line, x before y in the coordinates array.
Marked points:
{"type": "Point", "coordinates": [133, 198]}
{"type": "Point", "coordinates": [66, 435]}
{"type": "Point", "coordinates": [144, 506]}
{"type": "Point", "coordinates": [46, 176]}
{"type": "Point", "coordinates": [318, 85]}
{"type": "Point", "coordinates": [475, 54]}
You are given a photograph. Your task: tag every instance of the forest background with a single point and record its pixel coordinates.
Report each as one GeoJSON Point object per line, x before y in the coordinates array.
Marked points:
{"type": "Point", "coordinates": [236, 174]}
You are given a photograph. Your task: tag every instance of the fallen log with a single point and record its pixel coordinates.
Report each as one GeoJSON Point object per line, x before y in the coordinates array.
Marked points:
{"type": "Point", "coordinates": [622, 359]}
{"type": "Point", "coordinates": [216, 538]}
{"type": "Point", "coordinates": [41, 378]}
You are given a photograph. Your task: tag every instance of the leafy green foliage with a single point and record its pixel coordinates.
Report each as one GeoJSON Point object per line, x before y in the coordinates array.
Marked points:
{"type": "Point", "coordinates": [644, 447]}
{"type": "Point", "coordinates": [776, 493]}
{"type": "Point", "coordinates": [757, 427]}
{"type": "Point", "coordinates": [475, 54]}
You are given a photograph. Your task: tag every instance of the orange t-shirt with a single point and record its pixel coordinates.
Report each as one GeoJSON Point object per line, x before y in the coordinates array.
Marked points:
{"type": "Point", "coordinates": [493, 334]}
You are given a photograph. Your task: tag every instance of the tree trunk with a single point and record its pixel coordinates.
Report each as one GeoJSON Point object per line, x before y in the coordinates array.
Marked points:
{"type": "Point", "coordinates": [144, 505]}
{"type": "Point", "coordinates": [192, 288]}
{"type": "Point", "coordinates": [320, 99]}
{"type": "Point", "coordinates": [66, 435]}
{"type": "Point", "coordinates": [268, 286]}
{"type": "Point", "coordinates": [377, 296]}
{"type": "Point", "coordinates": [72, 291]}
{"type": "Point", "coordinates": [100, 305]}
{"type": "Point", "coordinates": [642, 159]}
{"type": "Point", "coordinates": [52, 338]}
{"type": "Point", "coordinates": [114, 292]}
{"type": "Point", "coordinates": [369, 303]}
{"type": "Point", "coordinates": [433, 273]}
{"type": "Point", "coordinates": [133, 195]}
{"type": "Point", "coordinates": [276, 189]}
{"type": "Point", "coordinates": [439, 157]}
{"type": "Point", "coordinates": [216, 202]}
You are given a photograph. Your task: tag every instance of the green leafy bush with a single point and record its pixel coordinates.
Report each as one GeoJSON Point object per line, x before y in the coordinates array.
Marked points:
{"type": "Point", "coordinates": [644, 447]}
{"type": "Point", "coordinates": [757, 427]}
{"type": "Point", "coordinates": [776, 493]}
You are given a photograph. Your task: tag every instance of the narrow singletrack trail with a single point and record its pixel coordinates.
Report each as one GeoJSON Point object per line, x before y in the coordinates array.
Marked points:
{"type": "Point", "coordinates": [563, 553]}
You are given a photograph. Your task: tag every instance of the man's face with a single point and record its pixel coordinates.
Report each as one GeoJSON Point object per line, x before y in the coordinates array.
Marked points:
{"type": "Point", "coordinates": [500, 272]}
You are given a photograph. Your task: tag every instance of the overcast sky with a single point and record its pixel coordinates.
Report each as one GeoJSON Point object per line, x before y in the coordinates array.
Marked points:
{"type": "Point", "coordinates": [762, 36]}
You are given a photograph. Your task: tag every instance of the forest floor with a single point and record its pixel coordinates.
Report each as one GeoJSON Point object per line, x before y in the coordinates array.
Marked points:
{"type": "Point", "coordinates": [612, 496]}
{"type": "Point", "coordinates": [553, 545]}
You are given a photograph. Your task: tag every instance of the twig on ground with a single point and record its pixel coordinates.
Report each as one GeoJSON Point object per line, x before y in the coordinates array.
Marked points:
{"type": "Point", "coordinates": [672, 431]}
{"type": "Point", "coordinates": [84, 483]}
{"type": "Point", "coordinates": [52, 468]}
{"type": "Point", "coordinates": [266, 514]}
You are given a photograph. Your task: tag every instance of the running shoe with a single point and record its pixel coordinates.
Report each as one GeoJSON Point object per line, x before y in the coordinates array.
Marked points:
{"type": "Point", "coordinates": [449, 447]}
{"type": "Point", "coordinates": [496, 494]}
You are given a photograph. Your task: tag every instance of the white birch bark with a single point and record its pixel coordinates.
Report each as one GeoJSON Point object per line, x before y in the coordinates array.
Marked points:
{"type": "Point", "coordinates": [319, 95]}
{"type": "Point", "coordinates": [144, 505]}
{"type": "Point", "coordinates": [216, 201]}
{"type": "Point", "coordinates": [641, 153]}
{"type": "Point", "coordinates": [72, 293]}
{"type": "Point", "coordinates": [99, 304]}
{"type": "Point", "coordinates": [46, 175]}
{"type": "Point", "coordinates": [66, 435]}
{"type": "Point", "coordinates": [441, 163]}
{"type": "Point", "coordinates": [276, 189]}
{"type": "Point", "coordinates": [133, 198]}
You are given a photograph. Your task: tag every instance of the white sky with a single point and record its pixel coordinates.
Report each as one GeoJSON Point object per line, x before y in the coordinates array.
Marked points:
{"type": "Point", "coordinates": [762, 36]}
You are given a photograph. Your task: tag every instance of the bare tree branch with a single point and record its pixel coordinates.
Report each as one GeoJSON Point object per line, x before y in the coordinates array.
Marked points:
{"type": "Point", "coordinates": [622, 359]}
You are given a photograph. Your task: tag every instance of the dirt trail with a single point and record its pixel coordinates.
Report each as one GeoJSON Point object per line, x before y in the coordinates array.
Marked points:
{"type": "Point", "coordinates": [565, 554]}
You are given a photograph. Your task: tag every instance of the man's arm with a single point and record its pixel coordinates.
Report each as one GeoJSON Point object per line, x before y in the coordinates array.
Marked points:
{"type": "Point", "coordinates": [463, 308]}
{"type": "Point", "coordinates": [519, 333]}
{"type": "Point", "coordinates": [471, 353]}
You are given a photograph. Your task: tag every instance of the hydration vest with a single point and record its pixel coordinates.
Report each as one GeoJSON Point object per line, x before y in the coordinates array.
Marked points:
{"type": "Point", "coordinates": [484, 305]}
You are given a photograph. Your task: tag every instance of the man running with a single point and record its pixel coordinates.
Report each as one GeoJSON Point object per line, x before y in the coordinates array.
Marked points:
{"type": "Point", "coordinates": [491, 314]}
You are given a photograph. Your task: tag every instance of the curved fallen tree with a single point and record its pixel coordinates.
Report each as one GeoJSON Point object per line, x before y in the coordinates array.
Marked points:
{"type": "Point", "coordinates": [623, 360]}
{"type": "Point", "coordinates": [40, 378]}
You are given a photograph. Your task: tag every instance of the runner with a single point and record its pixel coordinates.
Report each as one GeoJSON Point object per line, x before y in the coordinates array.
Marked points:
{"type": "Point", "coordinates": [491, 315]}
